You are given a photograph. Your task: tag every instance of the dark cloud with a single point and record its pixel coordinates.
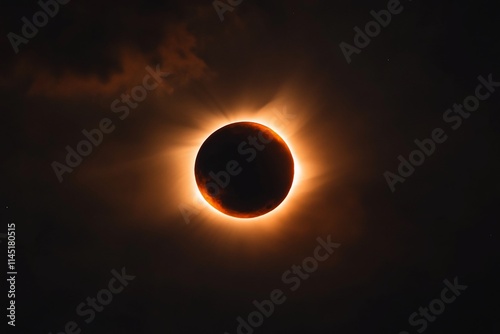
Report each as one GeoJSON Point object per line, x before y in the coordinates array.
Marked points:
{"type": "Point", "coordinates": [99, 48]}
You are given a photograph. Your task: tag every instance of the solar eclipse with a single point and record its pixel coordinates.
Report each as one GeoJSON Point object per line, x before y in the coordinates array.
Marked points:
{"type": "Point", "coordinates": [244, 169]}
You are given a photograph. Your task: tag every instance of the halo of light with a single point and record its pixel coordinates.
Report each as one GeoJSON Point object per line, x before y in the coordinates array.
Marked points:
{"type": "Point", "coordinates": [306, 165]}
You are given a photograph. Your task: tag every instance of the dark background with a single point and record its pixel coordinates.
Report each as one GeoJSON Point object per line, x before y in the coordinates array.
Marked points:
{"type": "Point", "coordinates": [113, 211]}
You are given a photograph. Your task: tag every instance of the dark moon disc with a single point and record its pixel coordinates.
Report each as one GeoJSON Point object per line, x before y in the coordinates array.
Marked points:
{"type": "Point", "coordinates": [244, 169]}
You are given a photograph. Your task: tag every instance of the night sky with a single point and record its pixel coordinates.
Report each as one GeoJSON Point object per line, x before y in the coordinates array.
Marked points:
{"type": "Point", "coordinates": [390, 227]}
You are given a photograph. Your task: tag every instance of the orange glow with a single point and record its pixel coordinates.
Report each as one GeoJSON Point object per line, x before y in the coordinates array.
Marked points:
{"type": "Point", "coordinates": [306, 164]}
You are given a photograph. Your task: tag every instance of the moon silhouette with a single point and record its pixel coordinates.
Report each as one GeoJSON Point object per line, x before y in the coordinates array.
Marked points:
{"type": "Point", "coordinates": [244, 169]}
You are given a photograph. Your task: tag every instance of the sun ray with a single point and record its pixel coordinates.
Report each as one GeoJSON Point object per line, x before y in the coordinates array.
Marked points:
{"type": "Point", "coordinates": [307, 165]}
